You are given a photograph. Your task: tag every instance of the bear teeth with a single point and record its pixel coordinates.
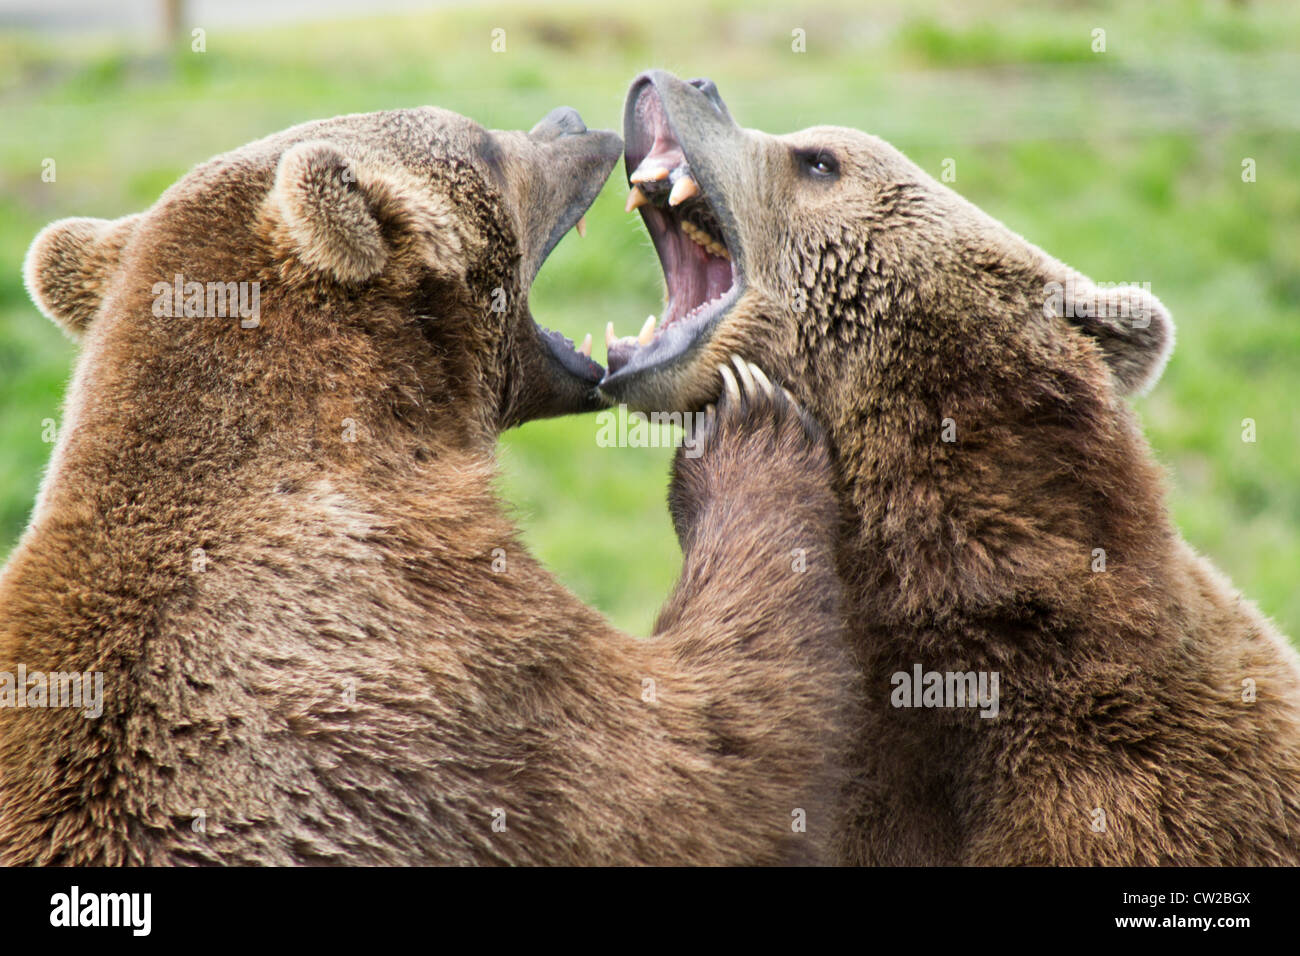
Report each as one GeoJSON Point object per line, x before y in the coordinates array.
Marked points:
{"type": "Point", "coordinates": [635, 199]}
{"type": "Point", "coordinates": [649, 173]}
{"type": "Point", "coordinates": [704, 240]}
{"type": "Point", "coordinates": [683, 189]}
{"type": "Point", "coordinates": [647, 333]}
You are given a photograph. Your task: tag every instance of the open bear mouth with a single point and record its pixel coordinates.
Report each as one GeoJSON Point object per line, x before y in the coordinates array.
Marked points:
{"type": "Point", "coordinates": [575, 359]}
{"type": "Point", "coordinates": [701, 275]}
{"type": "Point", "coordinates": [573, 165]}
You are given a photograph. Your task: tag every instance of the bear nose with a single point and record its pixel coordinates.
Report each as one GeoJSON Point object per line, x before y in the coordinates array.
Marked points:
{"type": "Point", "coordinates": [710, 89]}
{"type": "Point", "coordinates": [561, 121]}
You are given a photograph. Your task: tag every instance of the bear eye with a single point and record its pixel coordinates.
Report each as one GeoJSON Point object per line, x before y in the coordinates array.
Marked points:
{"type": "Point", "coordinates": [819, 163]}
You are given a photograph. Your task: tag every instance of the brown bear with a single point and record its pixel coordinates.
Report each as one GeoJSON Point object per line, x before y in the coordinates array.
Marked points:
{"type": "Point", "coordinates": [269, 609]}
{"type": "Point", "coordinates": [1005, 542]}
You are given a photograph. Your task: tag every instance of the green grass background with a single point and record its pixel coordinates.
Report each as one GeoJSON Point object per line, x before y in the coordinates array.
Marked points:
{"type": "Point", "coordinates": [1126, 164]}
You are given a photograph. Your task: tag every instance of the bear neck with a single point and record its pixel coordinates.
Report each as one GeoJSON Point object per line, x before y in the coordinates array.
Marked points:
{"type": "Point", "coordinates": [1006, 500]}
{"type": "Point", "coordinates": [201, 414]}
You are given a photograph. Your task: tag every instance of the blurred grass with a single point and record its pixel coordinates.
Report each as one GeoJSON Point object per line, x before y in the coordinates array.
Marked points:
{"type": "Point", "coordinates": [1126, 164]}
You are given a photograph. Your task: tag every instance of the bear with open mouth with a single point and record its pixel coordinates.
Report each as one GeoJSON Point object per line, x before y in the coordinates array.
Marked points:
{"type": "Point", "coordinates": [270, 539]}
{"type": "Point", "coordinates": [1003, 514]}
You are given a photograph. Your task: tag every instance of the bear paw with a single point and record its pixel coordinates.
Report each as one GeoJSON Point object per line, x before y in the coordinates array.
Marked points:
{"type": "Point", "coordinates": [757, 445]}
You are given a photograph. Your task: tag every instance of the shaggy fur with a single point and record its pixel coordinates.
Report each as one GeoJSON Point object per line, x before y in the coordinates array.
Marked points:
{"type": "Point", "coordinates": [321, 639]}
{"type": "Point", "coordinates": [1149, 714]}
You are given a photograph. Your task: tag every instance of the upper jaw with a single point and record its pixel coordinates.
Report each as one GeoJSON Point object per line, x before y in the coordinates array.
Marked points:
{"type": "Point", "coordinates": [693, 114]}
{"type": "Point", "coordinates": [575, 164]}
{"type": "Point", "coordinates": [679, 140]}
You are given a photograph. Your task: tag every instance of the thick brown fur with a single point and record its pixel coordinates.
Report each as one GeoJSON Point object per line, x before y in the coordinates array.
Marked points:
{"type": "Point", "coordinates": [323, 650]}
{"type": "Point", "coordinates": [1150, 691]}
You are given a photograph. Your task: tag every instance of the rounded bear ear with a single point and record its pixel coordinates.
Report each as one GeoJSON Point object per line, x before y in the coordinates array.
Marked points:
{"type": "Point", "coordinates": [1133, 329]}
{"type": "Point", "coordinates": [69, 264]}
{"type": "Point", "coordinates": [319, 193]}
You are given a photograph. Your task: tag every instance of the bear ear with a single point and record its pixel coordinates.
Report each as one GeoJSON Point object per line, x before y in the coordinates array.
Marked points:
{"type": "Point", "coordinates": [1130, 325]}
{"type": "Point", "coordinates": [69, 264]}
{"type": "Point", "coordinates": [322, 197]}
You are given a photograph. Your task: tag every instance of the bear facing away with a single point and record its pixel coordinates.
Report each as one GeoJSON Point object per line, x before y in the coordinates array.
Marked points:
{"type": "Point", "coordinates": [1003, 514]}
{"type": "Point", "coordinates": [272, 531]}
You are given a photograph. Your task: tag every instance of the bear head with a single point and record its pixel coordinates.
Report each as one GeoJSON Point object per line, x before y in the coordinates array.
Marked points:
{"type": "Point", "coordinates": [827, 255]}
{"type": "Point", "coordinates": [387, 253]}
{"type": "Point", "coordinates": [971, 385]}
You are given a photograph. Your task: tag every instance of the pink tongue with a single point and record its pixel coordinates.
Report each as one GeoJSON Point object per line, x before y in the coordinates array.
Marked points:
{"type": "Point", "coordinates": [665, 154]}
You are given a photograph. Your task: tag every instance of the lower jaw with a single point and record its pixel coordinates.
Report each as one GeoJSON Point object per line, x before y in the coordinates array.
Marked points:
{"type": "Point", "coordinates": [576, 363]}
{"type": "Point", "coordinates": [647, 377]}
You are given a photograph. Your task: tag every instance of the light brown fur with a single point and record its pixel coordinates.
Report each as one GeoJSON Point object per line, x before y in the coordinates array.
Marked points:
{"type": "Point", "coordinates": [338, 651]}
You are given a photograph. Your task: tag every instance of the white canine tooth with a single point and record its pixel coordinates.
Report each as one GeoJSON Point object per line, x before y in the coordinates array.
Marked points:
{"type": "Point", "coordinates": [683, 189]}
{"type": "Point", "coordinates": [609, 335]}
{"type": "Point", "coordinates": [581, 226]}
{"type": "Point", "coordinates": [585, 347]}
{"type": "Point", "coordinates": [635, 199]}
{"type": "Point", "coordinates": [647, 333]}
{"type": "Point", "coordinates": [648, 174]}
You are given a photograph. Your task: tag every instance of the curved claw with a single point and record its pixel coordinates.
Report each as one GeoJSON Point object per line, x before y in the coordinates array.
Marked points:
{"type": "Point", "coordinates": [742, 369]}
{"type": "Point", "coordinates": [729, 383]}
{"type": "Point", "coordinates": [761, 378]}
